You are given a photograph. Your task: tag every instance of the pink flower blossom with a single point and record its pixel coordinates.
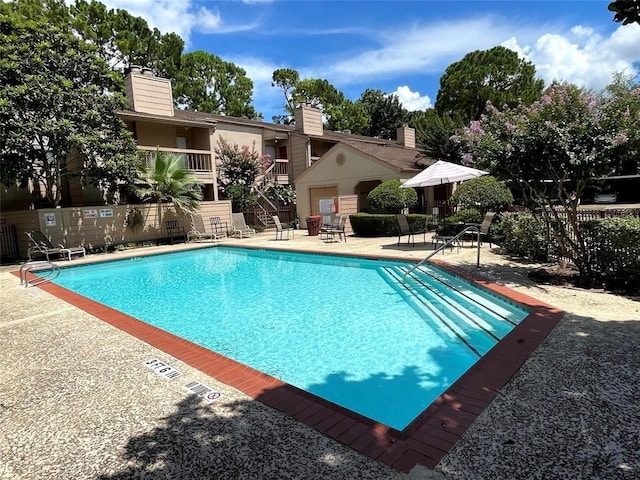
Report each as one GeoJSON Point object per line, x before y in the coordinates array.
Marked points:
{"type": "Point", "coordinates": [475, 127]}
{"type": "Point", "coordinates": [619, 139]}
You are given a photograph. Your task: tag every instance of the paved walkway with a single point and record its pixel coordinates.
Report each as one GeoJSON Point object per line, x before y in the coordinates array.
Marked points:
{"type": "Point", "coordinates": [76, 400]}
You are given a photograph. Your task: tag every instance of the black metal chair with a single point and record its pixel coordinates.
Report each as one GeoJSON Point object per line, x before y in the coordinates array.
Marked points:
{"type": "Point", "coordinates": [175, 230]}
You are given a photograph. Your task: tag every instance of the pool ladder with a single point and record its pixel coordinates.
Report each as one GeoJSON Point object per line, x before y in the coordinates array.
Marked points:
{"type": "Point", "coordinates": [451, 241]}
{"type": "Point", "coordinates": [47, 271]}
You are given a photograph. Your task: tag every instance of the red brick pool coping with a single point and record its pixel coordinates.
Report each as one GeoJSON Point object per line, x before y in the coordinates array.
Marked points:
{"type": "Point", "coordinates": [425, 441]}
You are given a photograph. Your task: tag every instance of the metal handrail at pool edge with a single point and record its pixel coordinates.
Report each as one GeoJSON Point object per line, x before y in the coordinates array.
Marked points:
{"type": "Point", "coordinates": [42, 265]}
{"type": "Point", "coordinates": [472, 229]}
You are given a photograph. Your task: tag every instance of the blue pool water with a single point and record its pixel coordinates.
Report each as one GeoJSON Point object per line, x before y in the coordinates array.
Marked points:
{"type": "Point", "coordinates": [345, 329]}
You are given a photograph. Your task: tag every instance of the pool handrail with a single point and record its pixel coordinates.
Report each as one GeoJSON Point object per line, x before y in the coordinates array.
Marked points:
{"type": "Point", "coordinates": [470, 229]}
{"type": "Point", "coordinates": [41, 265]}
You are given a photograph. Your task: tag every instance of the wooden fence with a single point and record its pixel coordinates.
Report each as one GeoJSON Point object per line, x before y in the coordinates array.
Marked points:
{"type": "Point", "coordinates": [103, 226]}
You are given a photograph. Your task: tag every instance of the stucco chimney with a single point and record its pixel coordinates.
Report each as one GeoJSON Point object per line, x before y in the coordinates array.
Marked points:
{"type": "Point", "coordinates": [406, 136]}
{"type": "Point", "coordinates": [308, 120]}
{"type": "Point", "coordinates": [147, 93]}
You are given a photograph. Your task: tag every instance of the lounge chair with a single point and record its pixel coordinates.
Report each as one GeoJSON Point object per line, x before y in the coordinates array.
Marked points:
{"type": "Point", "coordinates": [175, 230]}
{"type": "Point", "coordinates": [280, 229]}
{"type": "Point", "coordinates": [240, 227]}
{"type": "Point", "coordinates": [198, 231]}
{"type": "Point", "coordinates": [405, 229]}
{"type": "Point", "coordinates": [43, 245]}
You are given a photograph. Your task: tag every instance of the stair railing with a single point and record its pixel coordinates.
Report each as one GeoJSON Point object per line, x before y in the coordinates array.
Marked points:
{"type": "Point", "coordinates": [471, 229]}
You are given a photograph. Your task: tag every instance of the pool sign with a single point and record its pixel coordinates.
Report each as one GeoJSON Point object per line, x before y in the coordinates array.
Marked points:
{"type": "Point", "coordinates": [50, 219]}
{"type": "Point", "coordinates": [208, 394]}
{"type": "Point", "coordinates": [106, 212]}
{"type": "Point", "coordinates": [162, 368]}
{"type": "Point", "coordinates": [90, 213]}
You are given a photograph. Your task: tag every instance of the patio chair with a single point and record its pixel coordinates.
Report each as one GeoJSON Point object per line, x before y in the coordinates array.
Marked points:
{"type": "Point", "coordinates": [405, 229]}
{"type": "Point", "coordinates": [326, 229]}
{"type": "Point", "coordinates": [219, 227]}
{"type": "Point", "coordinates": [485, 227]}
{"type": "Point", "coordinates": [338, 228]}
{"type": "Point", "coordinates": [280, 229]}
{"type": "Point", "coordinates": [198, 232]}
{"type": "Point", "coordinates": [175, 230]}
{"type": "Point", "coordinates": [240, 227]}
{"type": "Point", "coordinates": [43, 245]}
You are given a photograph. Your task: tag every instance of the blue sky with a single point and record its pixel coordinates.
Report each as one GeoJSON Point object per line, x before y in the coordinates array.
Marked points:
{"type": "Point", "coordinates": [400, 47]}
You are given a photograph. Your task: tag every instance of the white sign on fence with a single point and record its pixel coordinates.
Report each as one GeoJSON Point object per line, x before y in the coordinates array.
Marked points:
{"type": "Point", "coordinates": [106, 212]}
{"type": "Point", "coordinates": [50, 219]}
{"type": "Point", "coordinates": [91, 213]}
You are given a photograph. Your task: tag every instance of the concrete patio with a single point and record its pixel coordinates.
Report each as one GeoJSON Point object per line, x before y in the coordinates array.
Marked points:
{"type": "Point", "coordinates": [76, 400]}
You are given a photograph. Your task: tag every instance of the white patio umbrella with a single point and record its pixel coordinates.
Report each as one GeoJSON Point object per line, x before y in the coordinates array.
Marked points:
{"type": "Point", "coordinates": [443, 172]}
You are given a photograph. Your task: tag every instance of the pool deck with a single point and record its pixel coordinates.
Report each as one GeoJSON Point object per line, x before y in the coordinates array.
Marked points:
{"type": "Point", "coordinates": [76, 400]}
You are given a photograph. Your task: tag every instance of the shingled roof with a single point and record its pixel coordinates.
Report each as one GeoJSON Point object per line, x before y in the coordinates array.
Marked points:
{"type": "Point", "coordinates": [387, 151]}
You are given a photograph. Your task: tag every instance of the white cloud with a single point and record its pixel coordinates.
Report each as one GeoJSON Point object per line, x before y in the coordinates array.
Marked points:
{"type": "Point", "coordinates": [182, 17]}
{"type": "Point", "coordinates": [267, 99]}
{"type": "Point", "coordinates": [583, 56]}
{"type": "Point", "coordinates": [427, 49]}
{"type": "Point", "coordinates": [412, 100]}
{"type": "Point", "coordinates": [579, 55]}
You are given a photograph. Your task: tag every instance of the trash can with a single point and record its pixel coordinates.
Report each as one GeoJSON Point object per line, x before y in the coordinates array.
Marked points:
{"type": "Point", "coordinates": [313, 225]}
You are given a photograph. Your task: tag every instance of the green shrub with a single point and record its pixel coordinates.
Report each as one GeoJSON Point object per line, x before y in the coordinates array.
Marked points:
{"type": "Point", "coordinates": [613, 246]}
{"type": "Point", "coordinates": [522, 234]}
{"type": "Point", "coordinates": [484, 193]}
{"type": "Point", "coordinates": [468, 215]}
{"type": "Point", "coordinates": [381, 225]}
{"type": "Point", "coordinates": [389, 197]}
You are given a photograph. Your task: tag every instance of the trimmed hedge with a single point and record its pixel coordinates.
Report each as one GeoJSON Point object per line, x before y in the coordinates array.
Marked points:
{"type": "Point", "coordinates": [382, 225]}
{"type": "Point", "coordinates": [614, 251]}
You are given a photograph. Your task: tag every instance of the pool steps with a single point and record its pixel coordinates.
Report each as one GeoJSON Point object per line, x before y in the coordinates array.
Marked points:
{"type": "Point", "coordinates": [458, 314]}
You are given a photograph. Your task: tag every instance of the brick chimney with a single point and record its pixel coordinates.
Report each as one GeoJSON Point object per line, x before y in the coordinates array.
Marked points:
{"type": "Point", "coordinates": [308, 120]}
{"type": "Point", "coordinates": [147, 93]}
{"type": "Point", "coordinates": [406, 136]}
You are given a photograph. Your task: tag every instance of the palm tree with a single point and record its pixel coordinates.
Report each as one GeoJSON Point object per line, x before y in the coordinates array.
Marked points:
{"type": "Point", "coordinates": [165, 180]}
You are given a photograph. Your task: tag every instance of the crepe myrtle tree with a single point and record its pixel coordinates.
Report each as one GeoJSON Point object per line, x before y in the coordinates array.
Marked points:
{"type": "Point", "coordinates": [239, 169]}
{"type": "Point", "coordinates": [552, 150]}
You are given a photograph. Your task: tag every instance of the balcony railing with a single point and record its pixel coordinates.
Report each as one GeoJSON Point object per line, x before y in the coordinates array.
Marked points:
{"type": "Point", "coordinates": [281, 171]}
{"type": "Point", "coordinates": [195, 160]}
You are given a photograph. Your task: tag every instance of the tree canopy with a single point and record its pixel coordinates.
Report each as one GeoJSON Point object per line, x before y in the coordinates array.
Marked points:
{"type": "Point", "coordinates": [496, 75]}
{"type": "Point", "coordinates": [201, 80]}
{"type": "Point", "coordinates": [434, 135]}
{"type": "Point", "coordinates": [206, 83]}
{"type": "Point", "coordinates": [626, 11]}
{"type": "Point", "coordinates": [385, 112]}
{"type": "Point", "coordinates": [339, 112]}
{"type": "Point", "coordinates": [58, 99]}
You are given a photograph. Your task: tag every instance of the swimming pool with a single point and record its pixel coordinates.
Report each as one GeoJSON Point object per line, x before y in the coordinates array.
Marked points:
{"type": "Point", "coordinates": [345, 329]}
